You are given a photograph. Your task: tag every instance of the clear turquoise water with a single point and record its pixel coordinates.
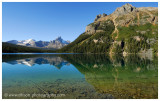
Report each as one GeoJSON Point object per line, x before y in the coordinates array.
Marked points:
{"type": "Point", "coordinates": [79, 76]}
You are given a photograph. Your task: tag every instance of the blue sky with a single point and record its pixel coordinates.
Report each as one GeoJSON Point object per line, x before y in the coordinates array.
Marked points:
{"type": "Point", "coordinates": [47, 21]}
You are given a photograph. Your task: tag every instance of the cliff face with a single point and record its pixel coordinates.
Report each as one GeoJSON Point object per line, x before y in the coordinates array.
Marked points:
{"type": "Point", "coordinates": [120, 32]}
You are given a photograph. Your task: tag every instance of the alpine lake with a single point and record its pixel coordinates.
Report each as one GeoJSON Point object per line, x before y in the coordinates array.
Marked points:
{"type": "Point", "coordinates": [79, 76]}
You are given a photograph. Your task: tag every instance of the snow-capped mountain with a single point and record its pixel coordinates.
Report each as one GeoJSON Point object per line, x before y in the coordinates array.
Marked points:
{"type": "Point", "coordinates": [55, 44]}
{"type": "Point", "coordinates": [29, 42]}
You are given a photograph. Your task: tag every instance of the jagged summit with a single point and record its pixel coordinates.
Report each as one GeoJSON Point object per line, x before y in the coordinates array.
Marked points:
{"type": "Point", "coordinates": [59, 38]}
{"type": "Point", "coordinates": [127, 8]}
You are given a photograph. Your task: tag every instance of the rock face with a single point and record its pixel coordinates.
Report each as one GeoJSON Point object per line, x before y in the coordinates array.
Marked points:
{"type": "Point", "coordinates": [90, 29]}
{"type": "Point", "coordinates": [127, 8]}
{"type": "Point", "coordinates": [98, 26]}
{"type": "Point", "coordinates": [55, 44]}
{"type": "Point", "coordinates": [100, 16]}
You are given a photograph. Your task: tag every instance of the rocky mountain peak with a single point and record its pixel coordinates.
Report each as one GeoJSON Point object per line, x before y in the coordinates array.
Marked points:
{"type": "Point", "coordinates": [58, 38]}
{"type": "Point", "coordinates": [127, 8]}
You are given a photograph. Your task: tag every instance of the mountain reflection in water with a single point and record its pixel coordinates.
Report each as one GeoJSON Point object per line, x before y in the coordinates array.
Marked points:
{"type": "Point", "coordinates": [121, 77]}
{"type": "Point", "coordinates": [31, 61]}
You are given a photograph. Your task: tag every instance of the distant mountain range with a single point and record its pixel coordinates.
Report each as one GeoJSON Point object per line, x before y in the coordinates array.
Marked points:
{"type": "Point", "coordinates": [54, 44]}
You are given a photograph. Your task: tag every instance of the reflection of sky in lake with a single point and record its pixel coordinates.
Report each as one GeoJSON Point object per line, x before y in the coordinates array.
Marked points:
{"type": "Point", "coordinates": [39, 72]}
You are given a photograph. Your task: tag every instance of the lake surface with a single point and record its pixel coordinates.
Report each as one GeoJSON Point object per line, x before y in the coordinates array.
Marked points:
{"type": "Point", "coordinates": [79, 76]}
